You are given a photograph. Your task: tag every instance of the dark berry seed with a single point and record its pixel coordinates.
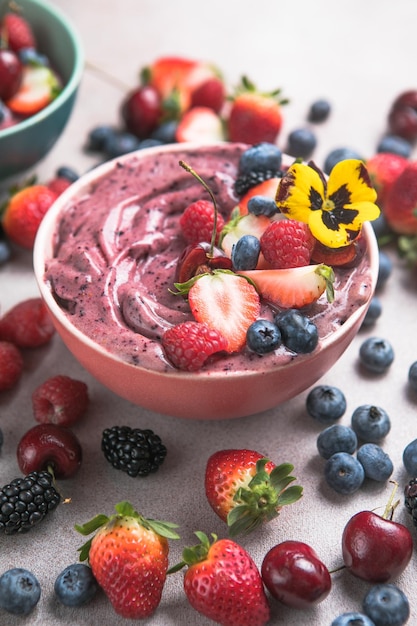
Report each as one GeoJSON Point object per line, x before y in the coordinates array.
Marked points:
{"type": "Point", "coordinates": [326, 403]}
{"type": "Point", "coordinates": [263, 336]}
{"type": "Point", "coordinates": [133, 450]}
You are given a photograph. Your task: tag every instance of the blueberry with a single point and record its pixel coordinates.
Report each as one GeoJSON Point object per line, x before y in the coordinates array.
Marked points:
{"type": "Point", "coordinates": [263, 336]}
{"type": "Point", "coordinates": [370, 423]}
{"type": "Point", "coordinates": [5, 251]}
{"type": "Point", "coordinates": [245, 253]}
{"type": "Point", "coordinates": [376, 354]}
{"type": "Point", "coordinates": [301, 143]}
{"type": "Point", "coordinates": [19, 591]}
{"type": "Point", "coordinates": [30, 56]}
{"type": "Point", "coordinates": [375, 461]}
{"type": "Point", "coordinates": [75, 585]}
{"type": "Point", "coordinates": [2, 111]}
{"type": "Point", "coordinates": [412, 376]}
{"type": "Point", "coordinates": [344, 473]}
{"type": "Point", "coordinates": [352, 619]}
{"type": "Point", "coordinates": [410, 458]}
{"type": "Point", "coordinates": [261, 205]}
{"type": "Point", "coordinates": [148, 143]}
{"type": "Point", "coordinates": [339, 154]}
{"type": "Point", "coordinates": [381, 227]}
{"type": "Point", "coordinates": [99, 136]}
{"type": "Point", "coordinates": [336, 438]}
{"type": "Point", "coordinates": [395, 145]}
{"type": "Point", "coordinates": [319, 111]}
{"type": "Point", "coordinates": [67, 172]}
{"type": "Point", "coordinates": [166, 132]}
{"type": "Point", "coordinates": [326, 404]}
{"type": "Point", "coordinates": [386, 605]}
{"type": "Point", "coordinates": [299, 333]}
{"type": "Point", "coordinates": [120, 143]}
{"type": "Point", "coordinates": [261, 157]}
{"type": "Point", "coordinates": [373, 313]}
{"type": "Point", "coordinates": [384, 269]}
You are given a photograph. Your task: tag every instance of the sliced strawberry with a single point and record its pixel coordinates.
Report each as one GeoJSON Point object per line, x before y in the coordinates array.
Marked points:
{"type": "Point", "coordinates": [226, 302]}
{"type": "Point", "coordinates": [295, 287]}
{"type": "Point", "coordinates": [40, 85]}
{"type": "Point", "coordinates": [201, 125]}
{"type": "Point", "coordinates": [267, 188]}
{"type": "Point", "coordinates": [246, 225]}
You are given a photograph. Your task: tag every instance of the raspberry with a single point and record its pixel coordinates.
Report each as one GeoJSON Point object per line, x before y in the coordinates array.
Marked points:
{"type": "Point", "coordinates": [287, 243]}
{"type": "Point", "coordinates": [197, 222]}
{"type": "Point", "coordinates": [60, 400]}
{"type": "Point", "coordinates": [25, 501]}
{"type": "Point", "coordinates": [58, 184]}
{"type": "Point", "coordinates": [17, 32]}
{"type": "Point", "coordinates": [27, 324]}
{"type": "Point", "coordinates": [11, 365]}
{"type": "Point", "coordinates": [190, 344]}
{"type": "Point", "coordinates": [133, 450]}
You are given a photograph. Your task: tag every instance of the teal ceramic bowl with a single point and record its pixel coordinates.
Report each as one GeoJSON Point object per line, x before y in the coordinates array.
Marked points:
{"type": "Point", "coordinates": [23, 145]}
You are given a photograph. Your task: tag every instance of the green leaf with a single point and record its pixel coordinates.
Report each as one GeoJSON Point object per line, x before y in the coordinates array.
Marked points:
{"type": "Point", "coordinates": [85, 550]}
{"type": "Point", "coordinates": [164, 529]}
{"type": "Point", "coordinates": [92, 525]}
{"type": "Point", "coordinates": [290, 495]}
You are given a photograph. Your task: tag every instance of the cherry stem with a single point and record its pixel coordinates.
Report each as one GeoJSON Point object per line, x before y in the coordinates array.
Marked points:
{"type": "Point", "coordinates": [207, 188]}
{"type": "Point", "coordinates": [390, 507]}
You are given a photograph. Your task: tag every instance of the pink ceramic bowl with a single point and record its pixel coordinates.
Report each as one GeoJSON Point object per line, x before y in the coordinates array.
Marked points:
{"type": "Point", "coordinates": [213, 395]}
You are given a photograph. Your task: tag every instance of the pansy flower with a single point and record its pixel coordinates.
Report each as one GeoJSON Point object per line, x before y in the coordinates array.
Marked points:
{"type": "Point", "coordinates": [334, 209]}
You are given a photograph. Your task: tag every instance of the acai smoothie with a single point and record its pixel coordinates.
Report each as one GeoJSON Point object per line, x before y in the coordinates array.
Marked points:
{"type": "Point", "coordinates": [116, 253]}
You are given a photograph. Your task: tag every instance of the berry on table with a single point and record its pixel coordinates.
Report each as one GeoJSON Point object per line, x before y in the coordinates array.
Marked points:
{"type": "Point", "coordinates": [299, 333]}
{"type": "Point", "coordinates": [326, 403]}
{"type": "Point", "coordinates": [339, 154]}
{"type": "Point", "coordinates": [11, 365]}
{"type": "Point", "coordinates": [344, 473]}
{"type": "Point", "coordinates": [412, 376]}
{"type": "Point", "coordinates": [60, 400]}
{"type": "Point", "coordinates": [352, 618]}
{"type": "Point", "coordinates": [385, 266]}
{"type": "Point", "coordinates": [386, 605]}
{"type": "Point", "coordinates": [99, 136]}
{"type": "Point", "coordinates": [24, 502]}
{"type": "Point", "coordinates": [373, 313]}
{"type": "Point", "coordinates": [263, 336]}
{"type": "Point", "coordinates": [27, 324]}
{"type": "Point", "coordinates": [336, 438]}
{"type": "Point", "coordinates": [75, 585]}
{"type": "Point", "coordinates": [20, 591]}
{"type": "Point", "coordinates": [136, 451]}
{"type": "Point", "coordinates": [301, 143]}
{"type": "Point", "coordinates": [395, 145]}
{"type": "Point", "coordinates": [375, 461]}
{"type": "Point", "coordinates": [371, 423]}
{"type": "Point", "coordinates": [319, 111]}
{"type": "Point", "coordinates": [410, 458]}
{"type": "Point", "coordinates": [376, 354]}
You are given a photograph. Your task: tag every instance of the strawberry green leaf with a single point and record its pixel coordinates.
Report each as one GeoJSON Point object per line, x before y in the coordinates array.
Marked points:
{"type": "Point", "coordinates": [290, 495]}
{"type": "Point", "coordinates": [164, 529]}
{"type": "Point", "coordinates": [93, 525]}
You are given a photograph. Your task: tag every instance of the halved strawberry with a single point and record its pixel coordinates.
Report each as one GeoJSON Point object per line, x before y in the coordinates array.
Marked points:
{"type": "Point", "coordinates": [201, 125]}
{"type": "Point", "coordinates": [244, 225]}
{"type": "Point", "coordinates": [40, 85]}
{"type": "Point", "coordinates": [295, 287]}
{"type": "Point", "coordinates": [267, 188]}
{"type": "Point", "coordinates": [226, 302]}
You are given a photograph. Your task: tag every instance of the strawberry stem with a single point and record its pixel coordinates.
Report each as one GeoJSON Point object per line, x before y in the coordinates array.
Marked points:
{"type": "Point", "coordinates": [189, 169]}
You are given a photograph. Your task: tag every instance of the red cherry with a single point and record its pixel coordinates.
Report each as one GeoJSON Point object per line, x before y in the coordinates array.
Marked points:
{"type": "Point", "coordinates": [141, 111]}
{"type": "Point", "coordinates": [10, 73]}
{"type": "Point", "coordinates": [49, 446]}
{"type": "Point", "coordinates": [200, 258]}
{"type": "Point", "coordinates": [374, 548]}
{"type": "Point", "coordinates": [293, 574]}
{"type": "Point", "coordinates": [402, 118]}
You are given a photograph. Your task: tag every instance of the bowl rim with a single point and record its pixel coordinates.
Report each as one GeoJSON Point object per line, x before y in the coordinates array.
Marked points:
{"type": "Point", "coordinates": [72, 84]}
{"type": "Point", "coordinates": [43, 247]}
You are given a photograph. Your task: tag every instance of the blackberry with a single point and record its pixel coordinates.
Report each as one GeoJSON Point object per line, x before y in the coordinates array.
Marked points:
{"type": "Point", "coordinates": [246, 181]}
{"type": "Point", "coordinates": [410, 499]}
{"type": "Point", "coordinates": [133, 450]}
{"type": "Point", "coordinates": [25, 502]}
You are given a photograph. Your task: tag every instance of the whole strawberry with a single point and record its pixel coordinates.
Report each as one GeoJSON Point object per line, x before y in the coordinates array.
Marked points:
{"type": "Point", "coordinates": [223, 583]}
{"type": "Point", "coordinates": [128, 556]}
{"type": "Point", "coordinates": [254, 117]}
{"type": "Point", "coordinates": [400, 206]}
{"type": "Point", "coordinates": [384, 169]}
{"type": "Point", "coordinates": [245, 489]}
{"type": "Point", "coordinates": [24, 213]}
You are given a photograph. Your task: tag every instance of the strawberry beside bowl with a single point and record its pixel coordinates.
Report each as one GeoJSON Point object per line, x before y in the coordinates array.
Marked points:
{"type": "Point", "coordinates": [24, 144]}
{"type": "Point", "coordinates": [107, 281]}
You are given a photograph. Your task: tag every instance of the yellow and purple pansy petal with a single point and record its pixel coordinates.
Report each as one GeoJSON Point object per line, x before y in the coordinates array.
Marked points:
{"type": "Point", "coordinates": [335, 211]}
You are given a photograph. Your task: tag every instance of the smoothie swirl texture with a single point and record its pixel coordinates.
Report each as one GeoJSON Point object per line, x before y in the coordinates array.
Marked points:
{"type": "Point", "coordinates": [116, 249]}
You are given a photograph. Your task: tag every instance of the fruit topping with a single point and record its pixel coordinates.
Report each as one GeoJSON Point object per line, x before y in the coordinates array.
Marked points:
{"type": "Point", "coordinates": [16, 31]}
{"type": "Point", "coordinates": [24, 502]}
{"type": "Point", "coordinates": [190, 345]}
{"type": "Point", "coordinates": [60, 400]}
{"type": "Point", "coordinates": [198, 221]}
{"type": "Point", "coordinates": [287, 243]}
{"type": "Point", "coordinates": [246, 489]}
{"type": "Point", "coordinates": [128, 556]}
{"type": "Point", "coordinates": [39, 87]}
{"type": "Point", "coordinates": [223, 583]}
{"type": "Point", "coordinates": [136, 451]}
{"type": "Point", "coordinates": [49, 447]}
